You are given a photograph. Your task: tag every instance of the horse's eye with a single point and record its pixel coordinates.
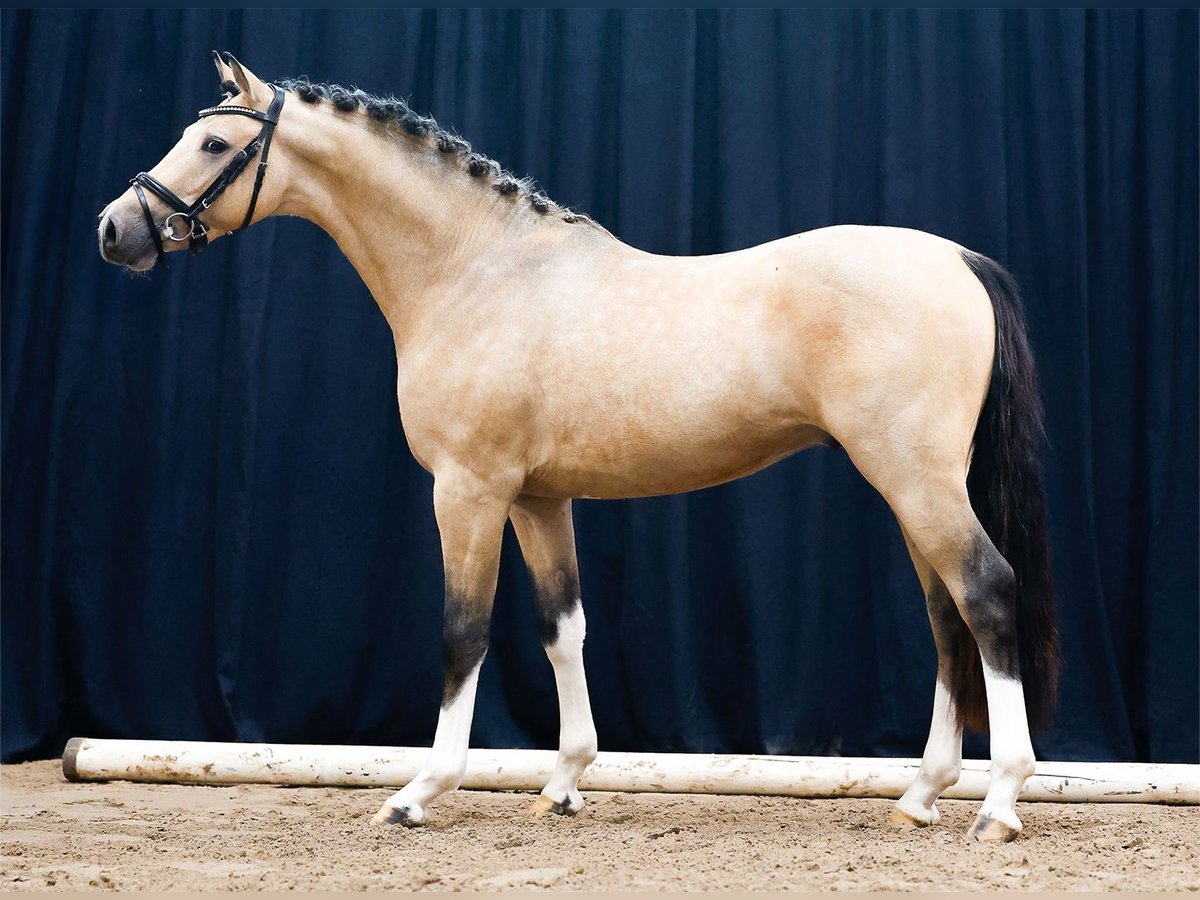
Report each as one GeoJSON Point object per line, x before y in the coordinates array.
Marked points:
{"type": "Point", "coordinates": [215, 145]}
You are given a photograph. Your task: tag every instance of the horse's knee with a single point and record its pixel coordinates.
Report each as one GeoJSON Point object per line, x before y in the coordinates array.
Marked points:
{"type": "Point", "coordinates": [464, 644]}
{"type": "Point", "coordinates": [563, 629]}
{"type": "Point", "coordinates": [560, 613]}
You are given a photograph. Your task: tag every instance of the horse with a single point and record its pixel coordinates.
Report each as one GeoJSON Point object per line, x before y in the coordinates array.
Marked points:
{"type": "Point", "coordinates": [540, 359]}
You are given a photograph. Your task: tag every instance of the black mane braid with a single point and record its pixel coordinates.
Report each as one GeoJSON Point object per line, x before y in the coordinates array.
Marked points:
{"type": "Point", "coordinates": [393, 110]}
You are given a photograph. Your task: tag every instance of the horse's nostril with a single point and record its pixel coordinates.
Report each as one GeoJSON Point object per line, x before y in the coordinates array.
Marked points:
{"type": "Point", "coordinates": [110, 234]}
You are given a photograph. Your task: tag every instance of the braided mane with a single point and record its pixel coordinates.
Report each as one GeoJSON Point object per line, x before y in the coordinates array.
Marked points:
{"type": "Point", "coordinates": [393, 111]}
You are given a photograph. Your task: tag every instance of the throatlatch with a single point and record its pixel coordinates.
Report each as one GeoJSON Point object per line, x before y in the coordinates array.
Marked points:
{"type": "Point", "coordinates": [184, 223]}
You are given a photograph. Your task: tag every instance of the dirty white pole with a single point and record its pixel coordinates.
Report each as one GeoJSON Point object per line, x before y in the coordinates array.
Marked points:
{"type": "Point", "coordinates": [200, 762]}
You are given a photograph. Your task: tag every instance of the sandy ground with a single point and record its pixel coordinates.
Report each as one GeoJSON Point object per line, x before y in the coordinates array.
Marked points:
{"type": "Point", "coordinates": [55, 834]}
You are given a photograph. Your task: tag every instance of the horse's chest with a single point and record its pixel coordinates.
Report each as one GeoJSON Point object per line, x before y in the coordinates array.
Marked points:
{"type": "Point", "coordinates": [478, 411]}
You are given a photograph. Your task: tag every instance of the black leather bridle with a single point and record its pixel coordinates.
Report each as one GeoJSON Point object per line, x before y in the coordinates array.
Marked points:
{"type": "Point", "coordinates": [184, 223]}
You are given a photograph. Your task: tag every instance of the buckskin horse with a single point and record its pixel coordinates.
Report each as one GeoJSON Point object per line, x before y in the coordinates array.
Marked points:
{"type": "Point", "coordinates": [541, 359]}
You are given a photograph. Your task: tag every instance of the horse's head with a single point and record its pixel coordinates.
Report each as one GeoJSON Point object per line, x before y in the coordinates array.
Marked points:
{"type": "Point", "coordinates": [210, 183]}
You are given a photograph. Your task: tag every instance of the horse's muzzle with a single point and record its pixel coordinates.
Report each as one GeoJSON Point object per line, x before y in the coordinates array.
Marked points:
{"type": "Point", "coordinates": [125, 240]}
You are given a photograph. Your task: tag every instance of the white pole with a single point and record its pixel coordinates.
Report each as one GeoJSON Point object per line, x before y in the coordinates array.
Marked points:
{"type": "Point", "coordinates": [199, 762]}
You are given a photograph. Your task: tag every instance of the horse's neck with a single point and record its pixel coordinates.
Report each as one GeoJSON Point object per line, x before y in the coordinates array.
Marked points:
{"type": "Point", "coordinates": [405, 218]}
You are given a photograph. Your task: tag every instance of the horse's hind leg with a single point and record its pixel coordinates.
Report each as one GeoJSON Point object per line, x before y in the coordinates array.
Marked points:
{"type": "Point", "coordinates": [547, 538]}
{"type": "Point", "coordinates": [941, 763]}
{"type": "Point", "coordinates": [470, 516]}
{"type": "Point", "coordinates": [937, 515]}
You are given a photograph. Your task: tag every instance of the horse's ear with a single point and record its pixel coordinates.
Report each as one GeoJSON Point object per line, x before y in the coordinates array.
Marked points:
{"type": "Point", "coordinates": [225, 75]}
{"type": "Point", "coordinates": [249, 85]}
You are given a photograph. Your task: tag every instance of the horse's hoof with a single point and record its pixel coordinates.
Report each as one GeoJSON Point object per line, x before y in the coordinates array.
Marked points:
{"type": "Point", "coordinates": [568, 806]}
{"type": "Point", "coordinates": [408, 816]}
{"type": "Point", "coordinates": [988, 829]}
{"type": "Point", "coordinates": [899, 818]}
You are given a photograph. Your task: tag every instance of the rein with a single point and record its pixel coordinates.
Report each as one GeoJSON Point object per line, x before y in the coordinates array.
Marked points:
{"type": "Point", "coordinates": [184, 223]}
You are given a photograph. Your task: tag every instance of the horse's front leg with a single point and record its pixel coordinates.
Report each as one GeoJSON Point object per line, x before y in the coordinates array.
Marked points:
{"type": "Point", "coordinates": [547, 539]}
{"type": "Point", "coordinates": [470, 515]}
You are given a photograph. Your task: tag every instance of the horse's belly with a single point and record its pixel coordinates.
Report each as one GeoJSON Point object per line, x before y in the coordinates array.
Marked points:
{"type": "Point", "coordinates": [661, 405]}
{"type": "Point", "coordinates": [613, 469]}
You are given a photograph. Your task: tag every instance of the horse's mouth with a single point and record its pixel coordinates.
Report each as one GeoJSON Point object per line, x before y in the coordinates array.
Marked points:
{"type": "Point", "coordinates": [144, 263]}
{"type": "Point", "coordinates": [140, 258]}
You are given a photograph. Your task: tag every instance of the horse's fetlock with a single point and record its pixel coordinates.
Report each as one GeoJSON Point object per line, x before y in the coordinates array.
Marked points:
{"type": "Point", "coordinates": [1015, 767]}
{"type": "Point", "coordinates": [442, 780]}
{"type": "Point", "coordinates": [580, 753]}
{"type": "Point", "coordinates": [943, 775]}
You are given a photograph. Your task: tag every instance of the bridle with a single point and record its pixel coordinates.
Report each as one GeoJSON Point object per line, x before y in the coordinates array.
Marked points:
{"type": "Point", "coordinates": [184, 223]}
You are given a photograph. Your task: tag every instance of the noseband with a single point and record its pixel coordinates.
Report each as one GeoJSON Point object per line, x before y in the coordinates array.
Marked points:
{"type": "Point", "coordinates": [184, 223]}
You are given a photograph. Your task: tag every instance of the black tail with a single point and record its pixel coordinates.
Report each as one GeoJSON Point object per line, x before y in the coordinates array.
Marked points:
{"type": "Point", "coordinates": [1009, 498]}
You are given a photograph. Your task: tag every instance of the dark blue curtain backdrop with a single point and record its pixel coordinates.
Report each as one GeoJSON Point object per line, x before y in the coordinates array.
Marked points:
{"type": "Point", "coordinates": [213, 528]}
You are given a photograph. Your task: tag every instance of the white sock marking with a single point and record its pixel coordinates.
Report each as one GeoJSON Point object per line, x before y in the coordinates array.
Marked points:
{"type": "Point", "coordinates": [1011, 750]}
{"type": "Point", "coordinates": [942, 762]}
{"type": "Point", "coordinates": [577, 732]}
{"type": "Point", "coordinates": [447, 761]}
